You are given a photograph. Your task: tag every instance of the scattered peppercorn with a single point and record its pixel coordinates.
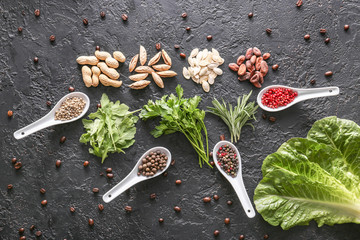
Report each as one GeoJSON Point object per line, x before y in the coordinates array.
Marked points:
{"type": "Point", "coordinates": [161, 220]}
{"type": "Point", "coordinates": [229, 202]}
{"type": "Point", "coordinates": [241, 237]}
{"type": "Point", "coordinates": [86, 163]}
{"type": "Point", "coordinates": [10, 113]}
{"type": "Point", "coordinates": [95, 190]}
{"type": "Point", "coordinates": [91, 222]}
{"type": "Point", "coordinates": [36, 59]}
{"type": "Point", "coordinates": [62, 139]}
{"type": "Point", "coordinates": [182, 55]}
{"type": "Point", "coordinates": [313, 81]}
{"type": "Point", "coordinates": [72, 209]}
{"type": "Point", "coordinates": [227, 220]}
{"type": "Point", "coordinates": [211, 154]}
{"type": "Point", "coordinates": [32, 227]}
{"type": "Point", "coordinates": [42, 190]}
{"type": "Point", "coordinates": [109, 170]}
{"type": "Point", "coordinates": [263, 116]}
{"type": "Point", "coordinates": [176, 46]}
{"type": "Point", "coordinates": [18, 165]}
{"type": "Point", "coordinates": [102, 14]}
{"type": "Point", "coordinates": [101, 207]}
{"type": "Point", "coordinates": [44, 202]}
{"type": "Point", "coordinates": [216, 197]}
{"type": "Point", "coordinates": [299, 3]}
{"type": "Point", "coordinates": [71, 89]}
{"type": "Point", "coordinates": [13, 160]}
{"type": "Point", "coordinates": [97, 48]}
{"type": "Point", "coordinates": [22, 238]}
{"type": "Point", "coordinates": [38, 233]}
{"type": "Point", "coordinates": [266, 236]}
{"type": "Point", "coordinates": [250, 15]}
{"type": "Point", "coordinates": [172, 162]}
{"type": "Point", "coordinates": [20, 29]}
{"type": "Point", "coordinates": [328, 73]}
{"type": "Point", "coordinates": [216, 233]}
{"type": "Point", "coordinates": [165, 174]}
{"type": "Point", "coordinates": [48, 103]}
{"type": "Point", "coordinates": [272, 119]}
{"type": "Point", "coordinates": [158, 46]}
{"type": "Point", "coordinates": [21, 230]}
{"type": "Point", "coordinates": [184, 15]}
{"type": "Point", "coordinates": [275, 67]}
{"type": "Point", "coordinates": [222, 137]}
{"type": "Point", "coordinates": [98, 105]}
{"type": "Point", "coordinates": [152, 196]}
{"type": "Point", "coordinates": [10, 186]}
{"type": "Point", "coordinates": [322, 30]}
{"type": "Point", "coordinates": [327, 40]}
{"type": "Point", "coordinates": [178, 182]}
{"type": "Point", "coordinates": [307, 37]}
{"type": "Point", "coordinates": [124, 17]}
{"type": "Point", "coordinates": [268, 30]}
{"type": "Point", "coordinates": [58, 163]}
{"type": "Point", "coordinates": [177, 209]}
{"type": "Point", "coordinates": [110, 175]}
{"type": "Point", "coordinates": [85, 22]}
{"type": "Point", "coordinates": [209, 37]}
{"type": "Point", "coordinates": [212, 163]}
{"type": "Point", "coordinates": [128, 209]}
{"type": "Point", "coordinates": [52, 38]}
{"type": "Point", "coordinates": [37, 12]}
{"type": "Point", "coordinates": [346, 27]}
{"type": "Point", "coordinates": [188, 28]}
{"type": "Point", "coordinates": [206, 199]}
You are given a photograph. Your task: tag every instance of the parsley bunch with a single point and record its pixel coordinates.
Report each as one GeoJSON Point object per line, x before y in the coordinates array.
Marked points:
{"type": "Point", "coordinates": [180, 114]}
{"type": "Point", "coordinates": [112, 129]}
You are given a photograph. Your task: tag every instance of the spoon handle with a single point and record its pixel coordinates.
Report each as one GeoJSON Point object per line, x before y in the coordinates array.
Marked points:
{"type": "Point", "coordinates": [240, 190]}
{"type": "Point", "coordinates": [121, 187]}
{"type": "Point", "coordinates": [317, 92]}
{"type": "Point", "coordinates": [42, 123]}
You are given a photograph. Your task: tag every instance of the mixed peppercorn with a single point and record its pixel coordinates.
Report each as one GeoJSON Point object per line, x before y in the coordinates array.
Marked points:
{"type": "Point", "coordinates": [228, 160]}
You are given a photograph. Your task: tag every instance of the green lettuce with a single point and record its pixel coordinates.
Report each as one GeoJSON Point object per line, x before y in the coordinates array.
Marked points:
{"type": "Point", "coordinates": [316, 178]}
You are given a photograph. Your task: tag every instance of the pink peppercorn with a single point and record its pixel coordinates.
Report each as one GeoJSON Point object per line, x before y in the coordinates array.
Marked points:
{"type": "Point", "coordinates": [277, 97]}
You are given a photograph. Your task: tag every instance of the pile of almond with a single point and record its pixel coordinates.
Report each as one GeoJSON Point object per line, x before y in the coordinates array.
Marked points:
{"type": "Point", "coordinates": [252, 66]}
{"type": "Point", "coordinates": [203, 67]}
{"type": "Point", "coordinates": [103, 72]}
{"type": "Point", "coordinates": [157, 71]}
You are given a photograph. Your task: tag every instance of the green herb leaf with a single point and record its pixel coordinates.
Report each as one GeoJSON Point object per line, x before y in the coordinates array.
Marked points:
{"type": "Point", "coordinates": [316, 178]}
{"type": "Point", "coordinates": [178, 114]}
{"type": "Point", "coordinates": [112, 130]}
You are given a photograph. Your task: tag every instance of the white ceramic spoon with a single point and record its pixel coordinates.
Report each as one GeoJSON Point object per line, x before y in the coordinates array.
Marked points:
{"type": "Point", "coordinates": [132, 178]}
{"type": "Point", "coordinates": [236, 182]}
{"type": "Point", "coordinates": [303, 94]}
{"type": "Point", "coordinates": [49, 119]}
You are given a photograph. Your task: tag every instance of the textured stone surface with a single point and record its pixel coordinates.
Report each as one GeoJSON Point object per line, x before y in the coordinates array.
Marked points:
{"type": "Point", "coordinates": [25, 87]}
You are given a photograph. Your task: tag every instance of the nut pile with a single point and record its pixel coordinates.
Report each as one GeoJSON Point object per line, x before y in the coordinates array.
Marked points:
{"type": "Point", "coordinates": [70, 108]}
{"type": "Point", "coordinates": [203, 67]}
{"type": "Point", "coordinates": [103, 72]}
{"type": "Point", "coordinates": [252, 66]}
{"type": "Point", "coordinates": [152, 163]}
{"type": "Point", "coordinates": [157, 71]}
{"type": "Point", "coordinates": [228, 160]}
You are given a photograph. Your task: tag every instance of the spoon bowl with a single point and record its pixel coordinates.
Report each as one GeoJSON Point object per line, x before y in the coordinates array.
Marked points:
{"type": "Point", "coordinates": [132, 178]}
{"type": "Point", "coordinates": [49, 119]}
{"type": "Point", "coordinates": [303, 94]}
{"type": "Point", "coordinates": [237, 181]}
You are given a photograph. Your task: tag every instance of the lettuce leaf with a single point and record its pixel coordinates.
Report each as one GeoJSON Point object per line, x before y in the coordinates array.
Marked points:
{"type": "Point", "coordinates": [316, 178]}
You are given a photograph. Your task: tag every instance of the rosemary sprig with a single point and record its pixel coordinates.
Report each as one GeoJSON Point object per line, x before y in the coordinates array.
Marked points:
{"type": "Point", "coordinates": [237, 117]}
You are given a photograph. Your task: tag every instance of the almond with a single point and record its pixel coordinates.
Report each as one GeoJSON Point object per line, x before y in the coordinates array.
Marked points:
{"type": "Point", "coordinates": [242, 70]}
{"type": "Point", "coordinates": [155, 59]}
{"type": "Point", "coordinates": [264, 68]}
{"type": "Point", "coordinates": [143, 55]}
{"type": "Point", "coordinates": [266, 56]}
{"type": "Point", "coordinates": [253, 59]}
{"type": "Point", "coordinates": [166, 57]}
{"type": "Point", "coordinates": [140, 84]}
{"type": "Point", "coordinates": [161, 67]}
{"type": "Point", "coordinates": [240, 60]}
{"type": "Point", "coordinates": [133, 63]}
{"type": "Point", "coordinates": [234, 67]}
{"type": "Point", "coordinates": [249, 53]}
{"type": "Point", "coordinates": [244, 77]}
{"type": "Point", "coordinates": [167, 73]}
{"type": "Point", "coordinates": [257, 51]}
{"type": "Point", "coordinates": [157, 80]}
{"type": "Point", "coordinates": [257, 63]}
{"type": "Point", "coordinates": [138, 77]}
{"type": "Point", "coordinates": [144, 69]}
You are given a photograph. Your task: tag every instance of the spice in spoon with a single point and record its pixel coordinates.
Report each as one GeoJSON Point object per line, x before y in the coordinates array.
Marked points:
{"type": "Point", "coordinates": [278, 97]}
{"type": "Point", "coordinates": [152, 163]}
{"type": "Point", "coordinates": [228, 160]}
{"type": "Point", "coordinates": [70, 108]}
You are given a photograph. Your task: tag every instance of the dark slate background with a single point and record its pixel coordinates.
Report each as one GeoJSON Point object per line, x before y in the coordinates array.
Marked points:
{"type": "Point", "coordinates": [25, 87]}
